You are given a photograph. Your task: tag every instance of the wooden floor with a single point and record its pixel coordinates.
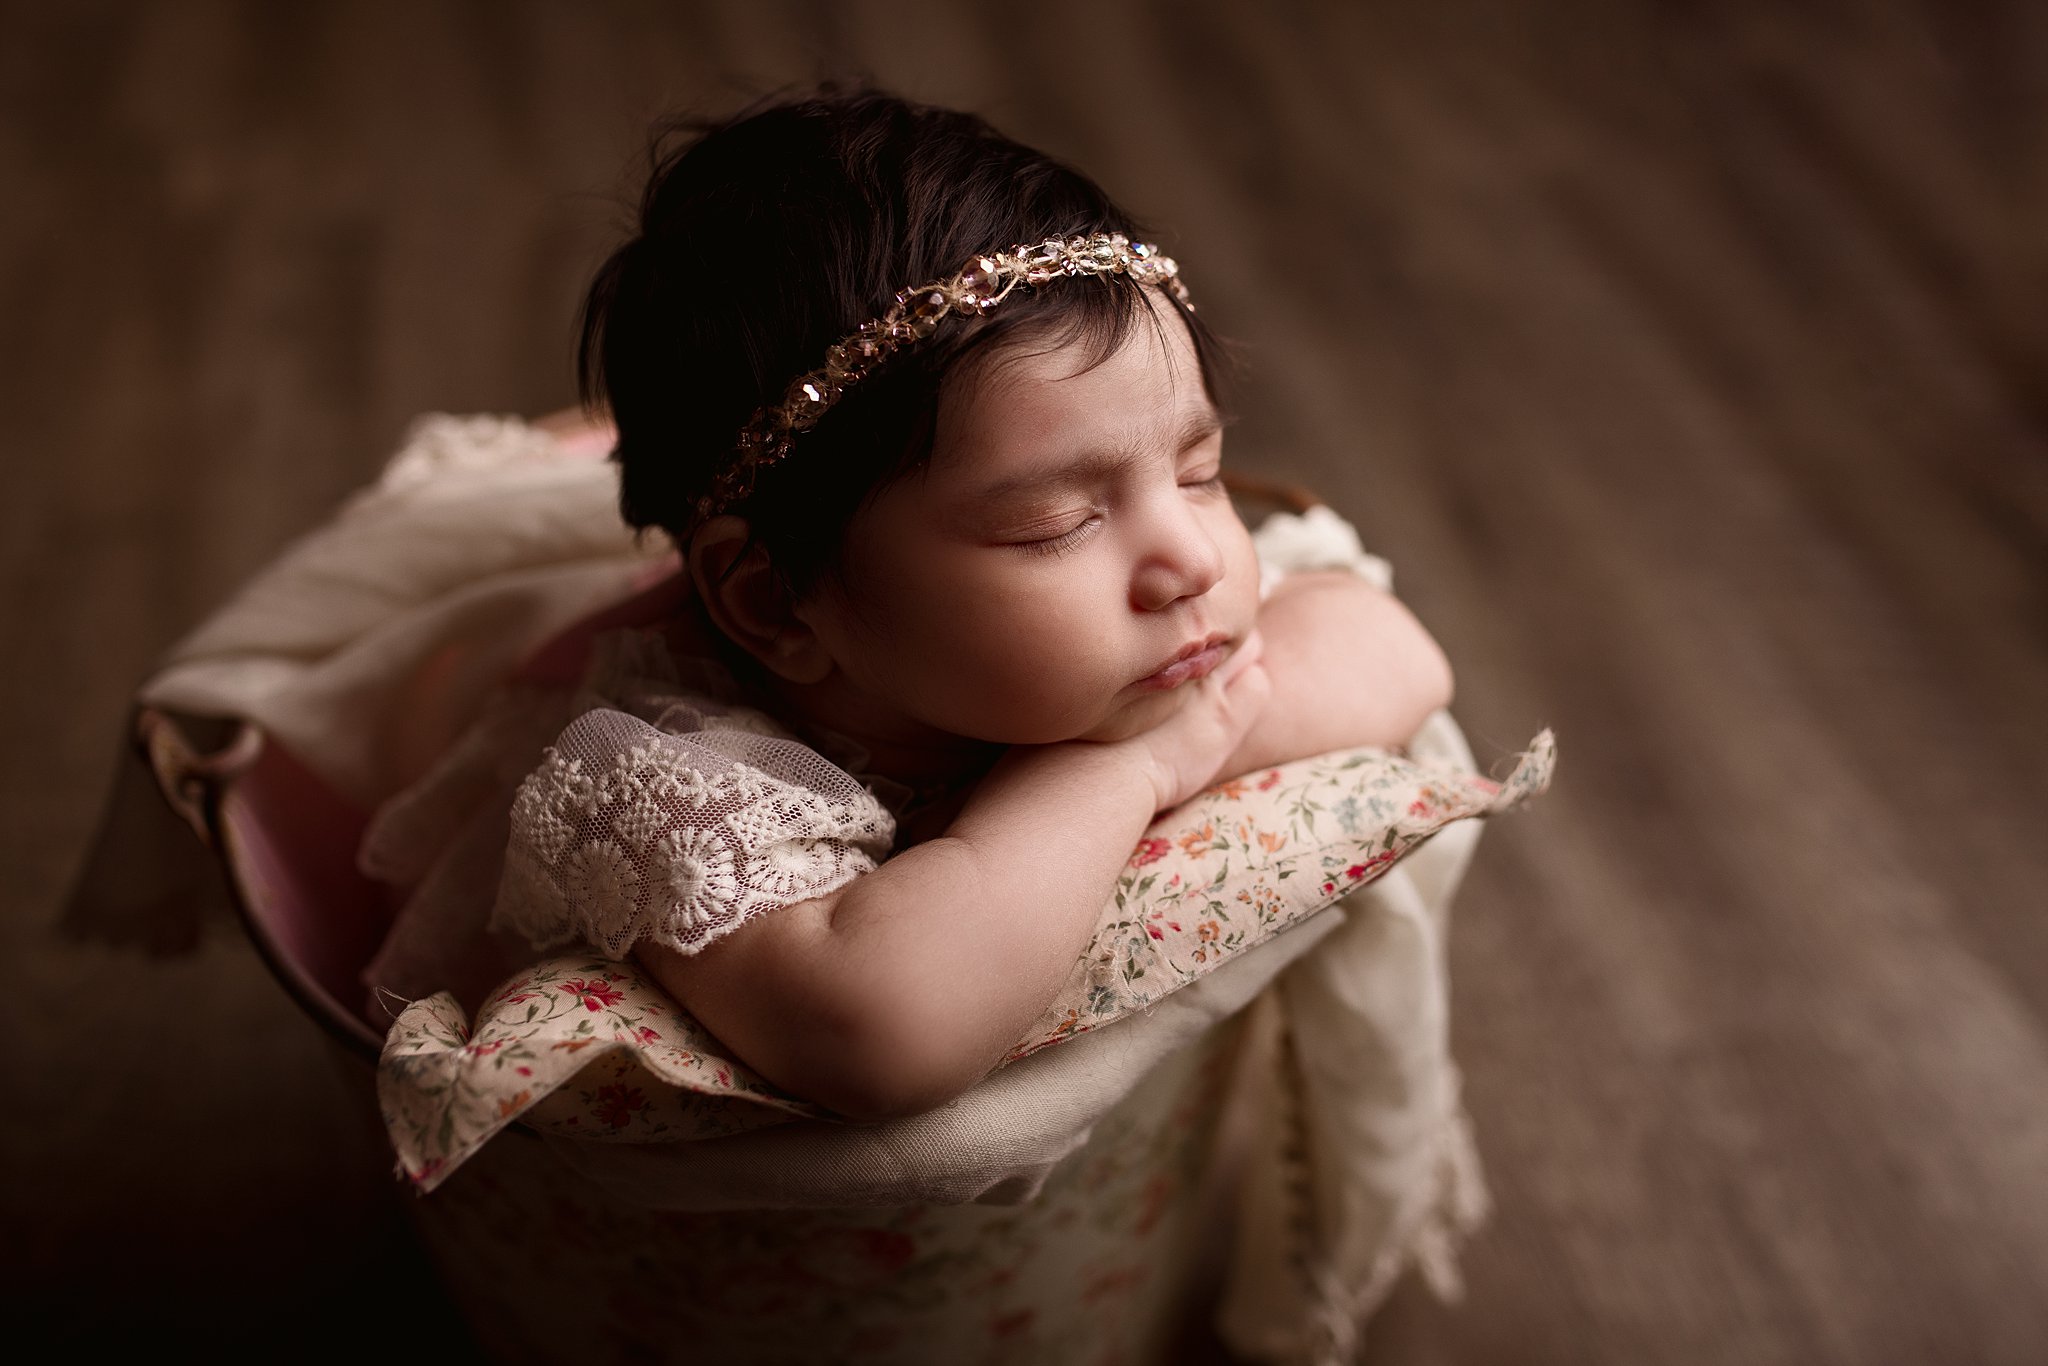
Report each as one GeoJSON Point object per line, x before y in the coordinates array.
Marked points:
{"type": "Point", "coordinates": [1690, 361]}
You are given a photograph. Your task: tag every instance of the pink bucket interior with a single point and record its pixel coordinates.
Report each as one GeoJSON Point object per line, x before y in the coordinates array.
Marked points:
{"type": "Point", "coordinates": [289, 843]}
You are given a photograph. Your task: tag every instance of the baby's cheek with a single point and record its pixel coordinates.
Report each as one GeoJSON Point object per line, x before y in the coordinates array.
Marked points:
{"type": "Point", "coordinates": [1052, 695]}
{"type": "Point", "coordinates": [1039, 692]}
{"type": "Point", "coordinates": [1240, 586]}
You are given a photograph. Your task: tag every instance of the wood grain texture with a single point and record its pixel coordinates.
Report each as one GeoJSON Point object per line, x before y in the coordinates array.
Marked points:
{"type": "Point", "coordinates": [1690, 362]}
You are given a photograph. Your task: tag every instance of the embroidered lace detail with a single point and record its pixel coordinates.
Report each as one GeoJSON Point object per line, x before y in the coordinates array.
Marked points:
{"type": "Point", "coordinates": [627, 832]}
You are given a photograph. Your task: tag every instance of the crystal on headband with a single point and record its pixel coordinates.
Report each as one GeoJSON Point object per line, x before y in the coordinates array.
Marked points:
{"type": "Point", "coordinates": [978, 282]}
{"type": "Point", "coordinates": [915, 314]}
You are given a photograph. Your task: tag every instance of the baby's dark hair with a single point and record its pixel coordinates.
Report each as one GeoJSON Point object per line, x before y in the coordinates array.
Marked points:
{"type": "Point", "coordinates": [763, 240]}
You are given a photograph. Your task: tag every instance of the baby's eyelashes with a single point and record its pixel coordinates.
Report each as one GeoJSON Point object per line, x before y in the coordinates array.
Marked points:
{"type": "Point", "coordinates": [1062, 542]}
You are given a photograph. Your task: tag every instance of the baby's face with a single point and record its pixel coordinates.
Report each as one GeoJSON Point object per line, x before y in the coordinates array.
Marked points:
{"type": "Point", "coordinates": [1070, 542]}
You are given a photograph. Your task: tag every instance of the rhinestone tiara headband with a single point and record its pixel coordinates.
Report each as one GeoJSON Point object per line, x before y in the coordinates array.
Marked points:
{"type": "Point", "coordinates": [982, 284]}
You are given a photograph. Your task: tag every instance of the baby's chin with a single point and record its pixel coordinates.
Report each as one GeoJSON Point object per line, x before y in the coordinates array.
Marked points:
{"type": "Point", "coordinates": [1138, 716]}
{"type": "Point", "coordinates": [1119, 718]}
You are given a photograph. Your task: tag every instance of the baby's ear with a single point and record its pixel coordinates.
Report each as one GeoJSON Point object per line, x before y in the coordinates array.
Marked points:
{"type": "Point", "coordinates": [750, 602]}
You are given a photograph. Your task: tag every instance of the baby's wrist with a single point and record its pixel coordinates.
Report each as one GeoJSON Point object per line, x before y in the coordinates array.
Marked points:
{"type": "Point", "coordinates": [1139, 766]}
{"type": "Point", "coordinates": [1084, 773]}
{"type": "Point", "coordinates": [1127, 766]}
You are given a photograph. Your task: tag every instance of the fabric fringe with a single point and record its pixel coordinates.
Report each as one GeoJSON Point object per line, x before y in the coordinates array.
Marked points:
{"type": "Point", "coordinates": [1461, 1206]}
{"type": "Point", "coordinates": [1456, 1205]}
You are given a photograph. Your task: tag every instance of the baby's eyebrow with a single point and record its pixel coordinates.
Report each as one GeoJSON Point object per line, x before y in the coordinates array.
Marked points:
{"type": "Point", "coordinates": [1198, 425]}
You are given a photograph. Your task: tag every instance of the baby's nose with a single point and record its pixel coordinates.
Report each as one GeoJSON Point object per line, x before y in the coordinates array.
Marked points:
{"type": "Point", "coordinates": [1185, 564]}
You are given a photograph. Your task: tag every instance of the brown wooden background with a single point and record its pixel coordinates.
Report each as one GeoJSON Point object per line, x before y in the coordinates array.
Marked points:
{"type": "Point", "coordinates": [1690, 361]}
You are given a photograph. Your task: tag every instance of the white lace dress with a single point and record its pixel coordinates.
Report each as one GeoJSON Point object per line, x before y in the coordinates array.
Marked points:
{"type": "Point", "coordinates": [660, 811]}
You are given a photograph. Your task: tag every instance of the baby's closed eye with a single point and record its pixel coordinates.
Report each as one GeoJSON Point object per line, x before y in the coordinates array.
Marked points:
{"type": "Point", "coordinates": [1060, 542]}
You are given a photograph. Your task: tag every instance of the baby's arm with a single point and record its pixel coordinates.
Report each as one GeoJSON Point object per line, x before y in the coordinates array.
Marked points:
{"type": "Point", "coordinates": [1349, 666]}
{"type": "Point", "coordinates": [910, 983]}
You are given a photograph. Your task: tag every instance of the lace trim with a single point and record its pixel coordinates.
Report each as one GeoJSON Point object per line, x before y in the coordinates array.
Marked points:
{"type": "Point", "coordinates": [625, 832]}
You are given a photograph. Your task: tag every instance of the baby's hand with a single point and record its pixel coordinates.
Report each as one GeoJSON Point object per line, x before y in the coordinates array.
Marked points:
{"type": "Point", "coordinates": [1184, 753]}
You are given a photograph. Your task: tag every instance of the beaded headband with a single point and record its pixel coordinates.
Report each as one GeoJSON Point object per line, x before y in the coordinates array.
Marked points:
{"type": "Point", "coordinates": [982, 284]}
